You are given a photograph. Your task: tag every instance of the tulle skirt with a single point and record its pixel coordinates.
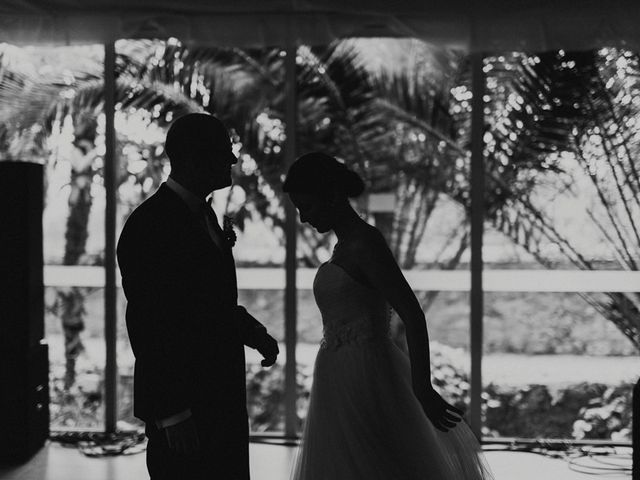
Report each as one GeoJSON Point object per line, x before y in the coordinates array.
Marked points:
{"type": "Point", "coordinates": [365, 423]}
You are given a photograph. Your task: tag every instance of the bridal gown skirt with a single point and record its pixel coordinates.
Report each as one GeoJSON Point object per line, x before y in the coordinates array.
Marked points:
{"type": "Point", "coordinates": [364, 423]}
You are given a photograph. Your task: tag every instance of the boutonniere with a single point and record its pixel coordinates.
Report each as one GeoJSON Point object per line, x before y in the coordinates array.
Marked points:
{"type": "Point", "coordinates": [228, 231]}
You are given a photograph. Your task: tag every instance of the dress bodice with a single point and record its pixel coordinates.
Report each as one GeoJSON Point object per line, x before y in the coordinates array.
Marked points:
{"type": "Point", "coordinates": [352, 313]}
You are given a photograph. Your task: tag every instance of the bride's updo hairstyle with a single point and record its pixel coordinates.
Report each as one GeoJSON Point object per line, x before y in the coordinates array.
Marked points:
{"type": "Point", "coordinates": [321, 174]}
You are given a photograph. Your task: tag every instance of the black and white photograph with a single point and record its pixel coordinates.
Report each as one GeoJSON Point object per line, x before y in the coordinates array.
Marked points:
{"type": "Point", "coordinates": [316, 240]}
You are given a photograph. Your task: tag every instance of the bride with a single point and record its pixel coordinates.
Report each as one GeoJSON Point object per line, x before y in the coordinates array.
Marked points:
{"type": "Point", "coordinates": [373, 413]}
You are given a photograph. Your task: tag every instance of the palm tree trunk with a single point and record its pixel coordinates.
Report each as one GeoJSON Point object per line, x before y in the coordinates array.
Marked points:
{"type": "Point", "coordinates": [71, 300]}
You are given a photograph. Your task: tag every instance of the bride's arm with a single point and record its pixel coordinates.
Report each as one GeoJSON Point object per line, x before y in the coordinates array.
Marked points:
{"type": "Point", "coordinates": [380, 269]}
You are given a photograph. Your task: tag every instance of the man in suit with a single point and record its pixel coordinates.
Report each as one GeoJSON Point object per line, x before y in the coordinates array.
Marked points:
{"type": "Point", "coordinates": [186, 329]}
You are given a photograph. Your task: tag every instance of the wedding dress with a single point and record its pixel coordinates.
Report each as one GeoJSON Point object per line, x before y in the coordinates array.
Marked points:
{"type": "Point", "coordinates": [364, 422]}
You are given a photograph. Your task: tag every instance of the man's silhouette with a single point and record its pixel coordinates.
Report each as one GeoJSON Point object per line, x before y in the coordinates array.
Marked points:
{"type": "Point", "coordinates": [186, 329]}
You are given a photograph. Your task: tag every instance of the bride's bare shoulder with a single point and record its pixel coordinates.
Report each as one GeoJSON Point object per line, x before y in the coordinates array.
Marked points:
{"type": "Point", "coordinates": [370, 240]}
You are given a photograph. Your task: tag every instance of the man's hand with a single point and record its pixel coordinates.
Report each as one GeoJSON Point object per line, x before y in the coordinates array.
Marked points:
{"type": "Point", "coordinates": [268, 348]}
{"type": "Point", "coordinates": [183, 437]}
{"type": "Point", "coordinates": [441, 413]}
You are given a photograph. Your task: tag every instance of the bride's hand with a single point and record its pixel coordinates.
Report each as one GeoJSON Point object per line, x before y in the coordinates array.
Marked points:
{"type": "Point", "coordinates": [441, 413]}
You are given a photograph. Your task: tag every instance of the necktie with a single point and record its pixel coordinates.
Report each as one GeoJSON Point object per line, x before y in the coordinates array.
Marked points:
{"type": "Point", "coordinates": [216, 234]}
{"type": "Point", "coordinates": [213, 228]}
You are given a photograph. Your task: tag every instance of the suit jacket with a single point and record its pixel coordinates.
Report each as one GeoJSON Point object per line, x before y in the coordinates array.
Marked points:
{"type": "Point", "coordinates": [186, 330]}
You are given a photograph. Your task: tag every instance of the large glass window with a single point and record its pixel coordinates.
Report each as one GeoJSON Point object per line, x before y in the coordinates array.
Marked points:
{"type": "Point", "coordinates": [561, 241]}
{"type": "Point", "coordinates": [166, 79]}
{"type": "Point", "coordinates": [561, 209]}
{"type": "Point", "coordinates": [393, 105]}
{"type": "Point", "coordinates": [48, 98]}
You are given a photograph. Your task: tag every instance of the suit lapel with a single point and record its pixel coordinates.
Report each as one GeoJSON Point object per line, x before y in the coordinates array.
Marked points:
{"type": "Point", "coordinates": [223, 254]}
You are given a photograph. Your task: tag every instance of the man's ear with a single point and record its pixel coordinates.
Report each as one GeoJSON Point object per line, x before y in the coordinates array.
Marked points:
{"type": "Point", "coordinates": [335, 198]}
{"type": "Point", "coordinates": [189, 167]}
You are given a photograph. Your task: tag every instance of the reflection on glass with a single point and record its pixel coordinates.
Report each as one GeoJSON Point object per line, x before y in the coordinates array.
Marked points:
{"type": "Point", "coordinates": [553, 367]}
{"type": "Point", "coordinates": [448, 325]}
{"type": "Point", "coordinates": [124, 355]}
{"type": "Point", "coordinates": [44, 121]}
{"type": "Point", "coordinates": [265, 386]}
{"type": "Point", "coordinates": [565, 213]}
{"type": "Point", "coordinates": [76, 359]}
{"type": "Point", "coordinates": [309, 330]}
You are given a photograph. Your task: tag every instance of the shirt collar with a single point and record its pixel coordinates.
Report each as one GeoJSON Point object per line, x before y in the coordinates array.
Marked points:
{"type": "Point", "coordinates": [191, 199]}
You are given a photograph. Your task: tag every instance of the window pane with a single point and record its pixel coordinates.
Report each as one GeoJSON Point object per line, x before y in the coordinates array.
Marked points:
{"type": "Point", "coordinates": [562, 217]}
{"type": "Point", "coordinates": [265, 386]}
{"type": "Point", "coordinates": [309, 338]}
{"type": "Point", "coordinates": [447, 312]}
{"type": "Point", "coordinates": [67, 136]}
{"type": "Point", "coordinates": [409, 147]}
{"type": "Point", "coordinates": [74, 330]}
{"type": "Point", "coordinates": [258, 256]}
{"type": "Point", "coordinates": [125, 358]}
{"type": "Point", "coordinates": [553, 367]}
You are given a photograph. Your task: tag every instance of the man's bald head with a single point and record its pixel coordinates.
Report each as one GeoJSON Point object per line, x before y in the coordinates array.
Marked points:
{"type": "Point", "coordinates": [200, 152]}
{"type": "Point", "coordinates": [195, 136]}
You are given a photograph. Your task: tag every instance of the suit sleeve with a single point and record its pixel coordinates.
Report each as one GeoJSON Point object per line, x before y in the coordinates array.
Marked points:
{"type": "Point", "coordinates": [151, 279]}
{"type": "Point", "coordinates": [252, 330]}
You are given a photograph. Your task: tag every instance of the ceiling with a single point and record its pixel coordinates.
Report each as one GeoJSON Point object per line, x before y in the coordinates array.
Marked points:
{"type": "Point", "coordinates": [487, 25]}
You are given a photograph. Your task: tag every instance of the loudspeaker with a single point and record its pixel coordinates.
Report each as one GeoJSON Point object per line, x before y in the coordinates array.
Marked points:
{"type": "Point", "coordinates": [24, 427]}
{"type": "Point", "coordinates": [24, 366]}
